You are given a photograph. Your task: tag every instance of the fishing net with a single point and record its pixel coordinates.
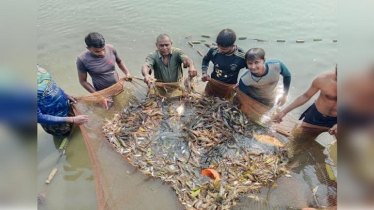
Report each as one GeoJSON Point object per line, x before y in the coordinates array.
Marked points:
{"type": "Point", "coordinates": [219, 89]}
{"type": "Point", "coordinates": [99, 96]}
{"type": "Point", "coordinates": [207, 149]}
{"type": "Point", "coordinates": [175, 139]}
{"type": "Point", "coordinates": [92, 139]}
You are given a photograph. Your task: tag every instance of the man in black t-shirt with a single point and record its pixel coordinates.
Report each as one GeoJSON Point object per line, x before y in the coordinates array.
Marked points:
{"type": "Point", "coordinates": [227, 58]}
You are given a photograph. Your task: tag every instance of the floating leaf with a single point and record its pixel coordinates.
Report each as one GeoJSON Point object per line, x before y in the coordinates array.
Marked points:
{"type": "Point", "coordinates": [315, 190]}
{"type": "Point", "coordinates": [149, 152]}
{"type": "Point", "coordinates": [196, 188]}
{"type": "Point", "coordinates": [216, 183]}
{"type": "Point", "coordinates": [213, 164]}
{"type": "Point", "coordinates": [195, 192]}
{"type": "Point", "coordinates": [330, 172]}
{"type": "Point", "coordinates": [141, 129]}
{"type": "Point", "coordinates": [269, 160]}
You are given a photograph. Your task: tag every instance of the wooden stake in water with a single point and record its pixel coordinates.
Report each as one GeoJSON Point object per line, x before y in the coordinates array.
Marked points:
{"type": "Point", "coordinates": [51, 175]}
{"type": "Point", "coordinates": [63, 145]}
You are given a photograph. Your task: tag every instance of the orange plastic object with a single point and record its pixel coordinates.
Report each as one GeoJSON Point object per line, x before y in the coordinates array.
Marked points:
{"type": "Point", "coordinates": [211, 173]}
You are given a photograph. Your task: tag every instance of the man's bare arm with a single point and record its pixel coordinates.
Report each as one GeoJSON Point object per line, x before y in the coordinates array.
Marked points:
{"type": "Point", "coordinates": [313, 89]}
{"type": "Point", "coordinates": [146, 73]}
{"type": "Point", "coordinates": [83, 81]}
{"type": "Point", "coordinates": [189, 63]}
{"type": "Point", "coordinates": [123, 67]}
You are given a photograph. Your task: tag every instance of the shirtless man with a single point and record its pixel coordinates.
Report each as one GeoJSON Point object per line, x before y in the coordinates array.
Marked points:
{"type": "Point", "coordinates": [322, 114]}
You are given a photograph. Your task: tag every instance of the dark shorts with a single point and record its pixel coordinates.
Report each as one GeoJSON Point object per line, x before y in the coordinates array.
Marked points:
{"type": "Point", "coordinates": [314, 117]}
{"type": "Point", "coordinates": [61, 129]}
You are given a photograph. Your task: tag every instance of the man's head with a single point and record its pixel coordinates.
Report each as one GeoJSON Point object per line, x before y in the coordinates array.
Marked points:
{"type": "Point", "coordinates": [225, 41]}
{"type": "Point", "coordinates": [163, 44]}
{"type": "Point", "coordinates": [255, 59]}
{"type": "Point", "coordinates": [95, 44]}
{"type": "Point", "coordinates": [255, 53]}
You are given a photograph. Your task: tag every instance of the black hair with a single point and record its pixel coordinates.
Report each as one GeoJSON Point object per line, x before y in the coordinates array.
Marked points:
{"type": "Point", "coordinates": [254, 53]}
{"type": "Point", "coordinates": [162, 36]}
{"type": "Point", "coordinates": [226, 38]}
{"type": "Point", "coordinates": [94, 39]}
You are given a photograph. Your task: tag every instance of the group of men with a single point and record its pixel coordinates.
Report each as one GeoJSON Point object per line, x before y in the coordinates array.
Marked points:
{"type": "Point", "coordinates": [259, 81]}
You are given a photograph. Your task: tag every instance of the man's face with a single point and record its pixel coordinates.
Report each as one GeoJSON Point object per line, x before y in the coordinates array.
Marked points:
{"type": "Point", "coordinates": [256, 66]}
{"type": "Point", "coordinates": [99, 52]}
{"type": "Point", "coordinates": [164, 46]}
{"type": "Point", "coordinates": [225, 50]}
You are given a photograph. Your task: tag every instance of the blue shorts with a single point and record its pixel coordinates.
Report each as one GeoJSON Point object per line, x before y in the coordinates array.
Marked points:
{"type": "Point", "coordinates": [314, 117]}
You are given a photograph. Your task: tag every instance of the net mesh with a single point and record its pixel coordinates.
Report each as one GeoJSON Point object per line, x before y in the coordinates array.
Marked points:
{"type": "Point", "coordinates": [100, 194]}
{"type": "Point", "coordinates": [219, 89]}
{"type": "Point", "coordinates": [145, 124]}
{"type": "Point", "coordinates": [99, 96]}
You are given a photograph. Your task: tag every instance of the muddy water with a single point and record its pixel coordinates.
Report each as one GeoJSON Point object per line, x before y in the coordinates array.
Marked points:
{"type": "Point", "coordinates": [132, 26]}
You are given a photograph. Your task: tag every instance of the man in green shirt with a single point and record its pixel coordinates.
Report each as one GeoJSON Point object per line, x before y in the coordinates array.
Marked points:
{"type": "Point", "coordinates": [166, 62]}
